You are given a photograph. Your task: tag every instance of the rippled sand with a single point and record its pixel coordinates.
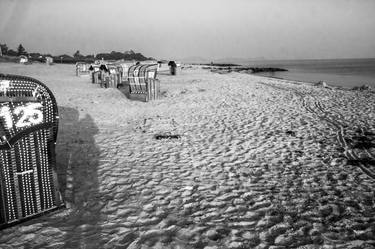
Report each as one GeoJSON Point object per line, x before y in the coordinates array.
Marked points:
{"type": "Point", "coordinates": [260, 163]}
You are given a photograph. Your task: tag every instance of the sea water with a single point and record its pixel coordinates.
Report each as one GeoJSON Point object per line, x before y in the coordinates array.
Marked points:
{"type": "Point", "coordinates": [336, 72]}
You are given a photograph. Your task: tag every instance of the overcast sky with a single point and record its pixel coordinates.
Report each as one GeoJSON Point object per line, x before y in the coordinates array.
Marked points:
{"type": "Point", "coordinates": [273, 29]}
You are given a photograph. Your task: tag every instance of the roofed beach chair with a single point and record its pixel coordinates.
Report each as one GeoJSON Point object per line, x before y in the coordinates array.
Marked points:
{"type": "Point", "coordinates": [28, 133]}
{"type": "Point", "coordinates": [120, 71]}
{"type": "Point", "coordinates": [23, 59]}
{"type": "Point", "coordinates": [96, 77]}
{"type": "Point", "coordinates": [143, 84]}
{"type": "Point", "coordinates": [124, 71]}
{"type": "Point", "coordinates": [82, 68]}
{"type": "Point", "coordinates": [133, 79]}
{"type": "Point", "coordinates": [111, 77]}
{"type": "Point", "coordinates": [49, 60]}
{"type": "Point", "coordinates": [95, 72]}
{"type": "Point", "coordinates": [104, 72]}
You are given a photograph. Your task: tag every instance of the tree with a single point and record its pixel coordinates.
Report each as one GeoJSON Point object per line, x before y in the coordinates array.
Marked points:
{"type": "Point", "coordinates": [77, 55]}
{"type": "Point", "coordinates": [11, 52]}
{"type": "Point", "coordinates": [4, 49]}
{"type": "Point", "coordinates": [34, 55]}
{"type": "Point", "coordinates": [21, 50]}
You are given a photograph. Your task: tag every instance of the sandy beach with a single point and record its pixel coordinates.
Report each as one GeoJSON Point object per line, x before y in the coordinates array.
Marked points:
{"type": "Point", "coordinates": [258, 163]}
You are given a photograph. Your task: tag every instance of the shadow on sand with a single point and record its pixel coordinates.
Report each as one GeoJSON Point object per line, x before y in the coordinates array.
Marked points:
{"type": "Point", "coordinates": [77, 169]}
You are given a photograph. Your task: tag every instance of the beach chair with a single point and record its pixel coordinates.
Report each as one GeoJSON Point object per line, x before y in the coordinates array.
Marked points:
{"type": "Point", "coordinates": [133, 79]}
{"type": "Point", "coordinates": [23, 59]}
{"type": "Point", "coordinates": [104, 72]}
{"type": "Point", "coordinates": [143, 83]}
{"type": "Point", "coordinates": [111, 78]}
{"type": "Point", "coordinates": [28, 133]}
{"type": "Point", "coordinates": [95, 77]}
{"type": "Point", "coordinates": [49, 61]}
{"type": "Point", "coordinates": [120, 76]}
{"type": "Point", "coordinates": [82, 68]}
{"type": "Point", "coordinates": [94, 72]}
{"type": "Point", "coordinates": [123, 68]}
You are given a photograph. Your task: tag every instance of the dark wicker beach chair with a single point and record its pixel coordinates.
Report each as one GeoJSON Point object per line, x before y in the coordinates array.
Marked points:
{"type": "Point", "coordinates": [28, 133]}
{"type": "Point", "coordinates": [143, 83]}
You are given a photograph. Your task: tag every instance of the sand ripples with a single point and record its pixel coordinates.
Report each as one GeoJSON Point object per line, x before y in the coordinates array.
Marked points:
{"type": "Point", "coordinates": [259, 164]}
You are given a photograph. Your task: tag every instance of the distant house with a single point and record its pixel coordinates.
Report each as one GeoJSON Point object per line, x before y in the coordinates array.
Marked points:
{"type": "Point", "coordinates": [23, 59]}
{"type": "Point", "coordinates": [49, 60]}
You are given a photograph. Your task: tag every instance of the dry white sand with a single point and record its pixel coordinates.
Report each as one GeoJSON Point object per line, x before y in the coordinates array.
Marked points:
{"type": "Point", "coordinates": [261, 163]}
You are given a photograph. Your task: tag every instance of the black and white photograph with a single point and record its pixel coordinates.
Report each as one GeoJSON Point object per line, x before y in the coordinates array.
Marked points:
{"type": "Point", "coordinates": [200, 124]}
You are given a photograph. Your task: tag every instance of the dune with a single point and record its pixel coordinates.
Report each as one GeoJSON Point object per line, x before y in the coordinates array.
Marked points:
{"type": "Point", "coordinates": [220, 161]}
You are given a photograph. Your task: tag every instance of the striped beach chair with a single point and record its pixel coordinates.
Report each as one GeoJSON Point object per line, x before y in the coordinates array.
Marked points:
{"type": "Point", "coordinates": [28, 133]}
{"type": "Point", "coordinates": [133, 79]}
{"type": "Point", "coordinates": [95, 77]}
{"type": "Point", "coordinates": [111, 76]}
{"type": "Point", "coordinates": [143, 82]}
{"type": "Point", "coordinates": [124, 71]}
{"type": "Point", "coordinates": [94, 72]}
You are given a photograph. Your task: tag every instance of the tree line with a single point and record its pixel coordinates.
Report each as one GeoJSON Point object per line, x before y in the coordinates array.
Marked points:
{"type": "Point", "coordinates": [6, 51]}
{"type": "Point", "coordinates": [77, 56]}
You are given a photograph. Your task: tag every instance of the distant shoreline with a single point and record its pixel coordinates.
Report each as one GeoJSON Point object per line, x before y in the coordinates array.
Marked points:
{"type": "Point", "coordinates": [257, 71]}
{"type": "Point", "coordinates": [226, 68]}
{"type": "Point", "coordinates": [337, 72]}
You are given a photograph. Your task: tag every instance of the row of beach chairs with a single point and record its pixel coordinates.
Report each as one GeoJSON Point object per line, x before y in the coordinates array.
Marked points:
{"type": "Point", "coordinates": [28, 134]}
{"type": "Point", "coordinates": [136, 81]}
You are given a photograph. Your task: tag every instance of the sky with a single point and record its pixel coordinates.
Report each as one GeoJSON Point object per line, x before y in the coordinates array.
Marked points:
{"type": "Point", "coordinates": [211, 29]}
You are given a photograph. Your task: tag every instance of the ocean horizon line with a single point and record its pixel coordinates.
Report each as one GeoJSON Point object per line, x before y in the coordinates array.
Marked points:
{"type": "Point", "coordinates": [232, 60]}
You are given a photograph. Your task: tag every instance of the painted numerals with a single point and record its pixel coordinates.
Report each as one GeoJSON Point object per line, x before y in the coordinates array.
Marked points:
{"type": "Point", "coordinates": [26, 115]}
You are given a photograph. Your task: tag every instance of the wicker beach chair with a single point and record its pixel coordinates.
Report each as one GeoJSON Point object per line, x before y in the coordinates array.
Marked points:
{"type": "Point", "coordinates": [82, 68]}
{"type": "Point", "coordinates": [133, 79]}
{"type": "Point", "coordinates": [123, 68]}
{"type": "Point", "coordinates": [95, 77]}
{"type": "Point", "coordinates": [94, 68]}
{"type": "Point", "coordinates": [111, 76]}
{"type": "Point", "coordinates": [104, 72]}
{"type": "Point", "coordinates": [28, 133]}
{"type": "Point", "coordinates": [143, 83]}
{"type": "Point", "coordinates": [94, 72]}
{"type": "Point", "coordinates": [120, 72]}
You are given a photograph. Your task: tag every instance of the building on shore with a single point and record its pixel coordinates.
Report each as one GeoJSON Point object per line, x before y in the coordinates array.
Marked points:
{"type": "Point", "coordinates": [49, 60]}
{"type": "Point", "coordinates": [23, 59]}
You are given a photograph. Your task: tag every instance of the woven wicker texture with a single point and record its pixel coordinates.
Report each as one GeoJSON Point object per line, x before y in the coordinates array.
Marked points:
{"type": "Point", "coordinates": [28, 133]}
{"type": "Point", "coordinates": [138, 76]}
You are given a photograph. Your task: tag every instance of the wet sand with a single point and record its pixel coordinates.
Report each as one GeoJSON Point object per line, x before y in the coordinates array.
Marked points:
{"type": "Point", "coordinates": [259, 163]}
